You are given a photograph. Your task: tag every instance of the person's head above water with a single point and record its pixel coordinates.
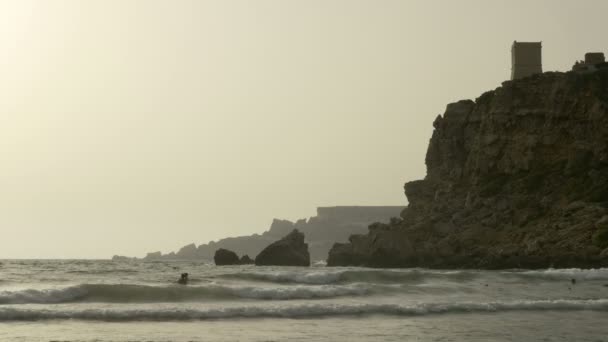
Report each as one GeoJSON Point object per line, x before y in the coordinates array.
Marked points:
{"type": "Point", "coordinates": [183, 279]}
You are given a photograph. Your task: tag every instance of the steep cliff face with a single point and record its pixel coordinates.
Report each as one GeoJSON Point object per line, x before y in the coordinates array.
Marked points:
{"type": "Point", "coordinates": [517, 178]}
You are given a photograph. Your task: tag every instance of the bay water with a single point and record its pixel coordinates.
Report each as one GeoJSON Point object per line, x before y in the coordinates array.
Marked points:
{"type": "Point", "coordinates": [102, 300]}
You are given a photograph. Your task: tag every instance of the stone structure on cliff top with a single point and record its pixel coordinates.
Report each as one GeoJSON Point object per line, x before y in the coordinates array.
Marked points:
{"type": "Point", "coordinates": [516, 178]}
{"type": "Point", "coordinates": [526, 59]}
{"type": "Point", "coordinates": [593, 61]}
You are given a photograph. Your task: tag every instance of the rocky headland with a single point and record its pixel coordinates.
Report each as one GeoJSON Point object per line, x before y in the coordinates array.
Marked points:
{"type": "Point", "coordinates": [330, 225]}
{"type": "Point", "coordinates": [517, 178]}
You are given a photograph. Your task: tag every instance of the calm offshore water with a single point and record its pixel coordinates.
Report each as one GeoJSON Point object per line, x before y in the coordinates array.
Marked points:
{"type": "Point", "coordinates": [80, 300]}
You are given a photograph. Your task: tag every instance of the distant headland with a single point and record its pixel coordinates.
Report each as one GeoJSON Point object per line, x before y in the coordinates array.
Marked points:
{"type": "Point", "coordinates": [330, 225]}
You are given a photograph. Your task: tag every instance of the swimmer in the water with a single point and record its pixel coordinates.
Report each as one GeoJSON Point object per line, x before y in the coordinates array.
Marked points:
{"type": "Point", "coordinates": [183, 279]}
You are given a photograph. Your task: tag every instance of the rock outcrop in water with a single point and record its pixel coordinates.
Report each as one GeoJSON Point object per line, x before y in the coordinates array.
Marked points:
{"type": "Point", "coordinates": [288, 251]}
{"type": "Point", "coordinates": [224, 257]}
{"type": "Point", "coordinates": [517, 178]}
{"type": "Point", "coordinates": [330, 225]}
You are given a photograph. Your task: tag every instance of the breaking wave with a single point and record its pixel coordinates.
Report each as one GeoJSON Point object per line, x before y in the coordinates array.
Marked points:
{"type": "Point", "coordinates": [104, 271]}
{"type": "Point", "coordinates": [122, 293]}
{"type": "Point", "coordinates": [562, 274]}
{"type": "Point", "coordinates": [405, 276]}
{"type": "Point", "coordinates": [297, 311]}
{"type": "Point", "coordinates": [350, 276]}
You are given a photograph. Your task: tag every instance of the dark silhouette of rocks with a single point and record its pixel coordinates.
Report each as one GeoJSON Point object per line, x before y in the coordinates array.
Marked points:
{"type": "Point", "coordinates": [246, 260]}
{"type": "Point", "coordinates": [288, 251]}
{"type": "Point", "coordinates": [517, 178]}
{"type": "Point", "coordinates": [330, 225]}
{"type": "Point", "coordinates": [224, 257]}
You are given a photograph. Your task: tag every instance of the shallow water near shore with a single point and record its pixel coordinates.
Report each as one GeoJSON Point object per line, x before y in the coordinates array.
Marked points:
{"type": "Point", "coordinates": [86, 300]}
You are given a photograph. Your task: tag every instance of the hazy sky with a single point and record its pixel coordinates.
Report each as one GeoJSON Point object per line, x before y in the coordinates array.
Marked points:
{"type": "Point", "coordinates": [135, 126]}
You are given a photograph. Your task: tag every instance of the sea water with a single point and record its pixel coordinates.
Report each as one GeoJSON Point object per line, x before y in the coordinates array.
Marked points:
{"type": "Point", "coordinates": [95, 300]}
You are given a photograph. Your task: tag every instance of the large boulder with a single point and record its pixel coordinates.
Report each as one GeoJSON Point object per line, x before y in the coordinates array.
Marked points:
{"type": "Point", "coordinates": [224, 257]}
{"type": "Point", "coordinates": [291, 250]}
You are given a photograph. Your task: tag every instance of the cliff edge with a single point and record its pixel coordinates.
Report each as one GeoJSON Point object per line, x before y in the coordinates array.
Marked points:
{"type": "Point", "coordinates": [517, 178]}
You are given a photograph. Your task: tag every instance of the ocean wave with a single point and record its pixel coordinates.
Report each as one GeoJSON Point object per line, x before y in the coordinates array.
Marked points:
{"type": "Point", "coordinates": [561, 274]}
{"type": "Point", "coordinates": [104, 271]}
{"type": "Point", "coordinates": [124, 293]}
{"type": "Point", "coordinates": [409, 276]}
{"type": "Point", "coordinates": [297, 311]}
{"type": "Point", "coordinates": [352, 276]}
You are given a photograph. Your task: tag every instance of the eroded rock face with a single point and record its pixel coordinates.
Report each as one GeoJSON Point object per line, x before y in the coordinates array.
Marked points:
{"type": "Point", "coordinates": [225, 257]}
{"type": "Point", "coordinates": [291, 250]}
{"type": "Point", "coordinates": [516, 178]}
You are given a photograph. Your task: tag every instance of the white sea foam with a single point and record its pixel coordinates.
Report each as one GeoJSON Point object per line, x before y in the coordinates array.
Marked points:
{"type": "Point", "coordinates": [124, 293]}
{"type": "Point", "coordinates": [337, 276]}
{"type": "Point", "coordinates": [564, 274]}
{"type": "Point", "coordinates": [404, 276]}
{"type": "Point", "coordinates": [297, 311]}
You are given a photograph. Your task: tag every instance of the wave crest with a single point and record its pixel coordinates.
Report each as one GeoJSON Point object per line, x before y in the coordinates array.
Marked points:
{"type": "Point", "coordinates": [409, 276]}
{"type": "Point", "coordinates": [351, 276]}
{"type": "Point", "coordinates": [124, 293]}
{"type": "Point", "coordinates": [298, 311]}
{"type": "Point", "coordinates": [562, 274]}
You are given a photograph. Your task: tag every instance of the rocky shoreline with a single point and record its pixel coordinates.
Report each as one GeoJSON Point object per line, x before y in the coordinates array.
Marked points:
{"type": "Point", "coordinates": [517, 178]}
{"type": "Point", "coordinates": [330, 225]}
{"type": "Point", "coordinates": [290, 250]}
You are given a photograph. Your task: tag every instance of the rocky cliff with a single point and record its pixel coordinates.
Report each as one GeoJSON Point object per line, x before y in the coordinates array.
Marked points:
{"type": "Point", "coordinates": [330, 225]}
{"type": "Point", "coordinates": [516, 178]}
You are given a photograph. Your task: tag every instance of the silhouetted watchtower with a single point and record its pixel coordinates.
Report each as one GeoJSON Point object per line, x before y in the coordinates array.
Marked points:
{"type": "Point", "coordinates": [526, 59]}
{"type": "Point", "coordinates": [594, 58]}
